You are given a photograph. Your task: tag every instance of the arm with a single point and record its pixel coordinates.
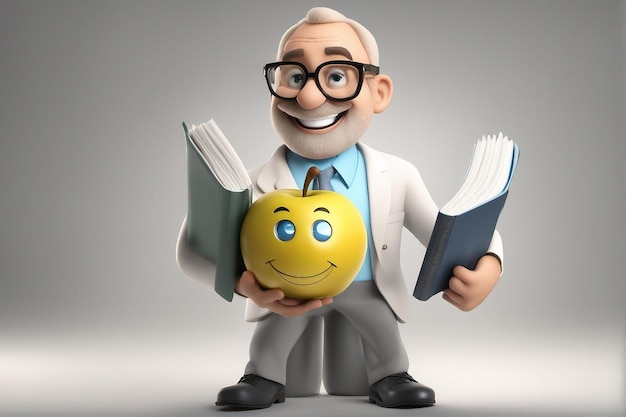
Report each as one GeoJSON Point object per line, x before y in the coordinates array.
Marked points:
{"type": "Point", "coordinates": [192, 264]}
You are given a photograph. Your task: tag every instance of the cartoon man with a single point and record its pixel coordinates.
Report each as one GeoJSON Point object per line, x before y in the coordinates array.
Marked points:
{"type": "Point", "coordinates": [325, 88]}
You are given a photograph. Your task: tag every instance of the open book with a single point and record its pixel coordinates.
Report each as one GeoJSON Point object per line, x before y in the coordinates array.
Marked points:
{"type": "Point", "coordinates": [219, 193]}
{"type": "Point", "coordinates": [466, 223]}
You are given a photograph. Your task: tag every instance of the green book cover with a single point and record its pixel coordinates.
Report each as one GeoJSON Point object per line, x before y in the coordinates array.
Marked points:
{"type": "Point", "coordinates": [214, 218]}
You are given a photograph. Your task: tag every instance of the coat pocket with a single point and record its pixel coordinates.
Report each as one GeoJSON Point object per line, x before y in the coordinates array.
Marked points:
{"type": "Point", "coordinates": [393, 234]}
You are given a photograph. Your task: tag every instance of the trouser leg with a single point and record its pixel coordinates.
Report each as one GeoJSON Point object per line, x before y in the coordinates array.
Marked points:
{"type": "Point", "coordinates": [271, 344]}
{"type": "Point", "coordinates": [304, 365]}
{"type": "Point", "coordinates": [344, 362]}
{"type": "Point", "coordinates": [377, 325]}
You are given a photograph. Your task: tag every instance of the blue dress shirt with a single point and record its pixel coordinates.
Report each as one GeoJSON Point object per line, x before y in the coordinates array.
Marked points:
{"type": "Point", "coordinates": [350, 179]}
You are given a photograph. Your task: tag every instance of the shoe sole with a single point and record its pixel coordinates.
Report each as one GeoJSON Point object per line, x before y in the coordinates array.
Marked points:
{"type": "Point", "coordinates": [381, 403]}
{"type": "Point", "coordinates": [280, 398]}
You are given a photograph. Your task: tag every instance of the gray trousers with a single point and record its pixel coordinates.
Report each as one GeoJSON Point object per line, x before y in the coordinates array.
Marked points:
{"type": "Point", "coordinates": [359, 328]}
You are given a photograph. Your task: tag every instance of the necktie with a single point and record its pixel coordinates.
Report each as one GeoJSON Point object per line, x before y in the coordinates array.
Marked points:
{"type": "Point", "coordinates": [322, 182]}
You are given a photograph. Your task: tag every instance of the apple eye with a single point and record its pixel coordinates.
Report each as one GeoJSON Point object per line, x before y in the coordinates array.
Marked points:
{"type": "Point", "coordinates": [284, 230]}
{"type": "Point", "coordinates": [322, 230]}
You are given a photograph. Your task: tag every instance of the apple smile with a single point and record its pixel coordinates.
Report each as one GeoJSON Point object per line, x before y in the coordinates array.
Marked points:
{"type": "Point", "coordinates": [308, 279]}
{"type": "Point", "coordinates": [323, 123]}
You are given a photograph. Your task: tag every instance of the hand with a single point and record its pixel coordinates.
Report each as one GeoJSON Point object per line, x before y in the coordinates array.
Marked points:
{"type": "Point", "coordinates": [470, 288]}
{"type": "Point", "coordinates": [274, 299]}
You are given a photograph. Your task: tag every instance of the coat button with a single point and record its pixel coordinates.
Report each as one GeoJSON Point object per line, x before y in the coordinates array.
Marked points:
{"type": "Point", "coordinates": [385, 246]}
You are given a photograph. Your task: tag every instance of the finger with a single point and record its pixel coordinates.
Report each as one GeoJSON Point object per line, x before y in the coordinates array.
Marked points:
{"type": "Point", "coordinates": [248, 286]}
{"type": "Point", "coordinates": [291, 301]}
{"type": "Point", "coordinates": [266, 297]}
{"type": "Point", "coordinates": [457, 285]}
{"type": "Point", "coordinates": [297, 301]}
{"type": "Point", "coordinates": [245, 284]}
{"type": "Point", "coordinates": [455, 299]}
{"type": "Point", "coordinates": [463, 273]}
{"type": "Point", "coordinates": [326, 300]}
{"type": "Point", "coordinates": [297, 310]}
{"type": "Point", "coordinates": [451, 297]}
{"type": "Point", "coordinates": [449, 293]}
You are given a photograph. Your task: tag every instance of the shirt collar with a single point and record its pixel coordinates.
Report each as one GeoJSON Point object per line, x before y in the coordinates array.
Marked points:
{"type": "Point", "coordinates": [346, 164]}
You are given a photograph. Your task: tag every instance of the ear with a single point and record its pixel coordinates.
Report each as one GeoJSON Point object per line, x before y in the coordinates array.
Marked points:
{"type": "Point", "coordinates": [382, 90]}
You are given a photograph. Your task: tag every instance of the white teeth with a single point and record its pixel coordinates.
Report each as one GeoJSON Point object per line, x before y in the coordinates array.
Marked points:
{"type": "Point", "coordinates": [319, 123]}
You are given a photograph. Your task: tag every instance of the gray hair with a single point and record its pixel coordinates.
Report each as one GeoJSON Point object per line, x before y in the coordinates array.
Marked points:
{"type": "Point", "coordinates": [318, 15]}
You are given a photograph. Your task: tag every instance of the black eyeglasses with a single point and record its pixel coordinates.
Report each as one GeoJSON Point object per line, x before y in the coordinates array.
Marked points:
{"type": "Point", "coordinates": [337, 80]}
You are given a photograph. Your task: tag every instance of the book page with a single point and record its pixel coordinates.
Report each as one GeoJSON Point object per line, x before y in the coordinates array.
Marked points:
{"type": "Point", "coordinates": [228, 154]}
{"type": "Point", "coordinates": [220, 156]}
{"type": "Point", "coordinates": [489, 177]}
{"type": "Point", "coordinates": [489, 174]}
{"type": "Point", "coordinates": [469, 183]}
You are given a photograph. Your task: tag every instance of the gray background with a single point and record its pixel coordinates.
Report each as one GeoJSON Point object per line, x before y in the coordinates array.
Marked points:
{"type": "Point", "coordinates": [96, 318]}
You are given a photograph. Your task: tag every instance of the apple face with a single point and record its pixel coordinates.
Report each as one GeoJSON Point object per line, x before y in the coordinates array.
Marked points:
{"type": "Point", "coordinates": [309, 247]}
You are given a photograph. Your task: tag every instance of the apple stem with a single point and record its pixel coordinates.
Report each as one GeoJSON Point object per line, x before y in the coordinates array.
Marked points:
{"type": "Point", "coordinates": [311, 174]}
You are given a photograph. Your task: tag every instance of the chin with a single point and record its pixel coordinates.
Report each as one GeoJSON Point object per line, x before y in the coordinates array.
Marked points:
{"type": "Point", "coordinates": [316, 147]}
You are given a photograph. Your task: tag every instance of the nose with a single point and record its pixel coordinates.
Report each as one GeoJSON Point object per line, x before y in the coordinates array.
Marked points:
{"type": "Point", "coordinates": [310, 97]}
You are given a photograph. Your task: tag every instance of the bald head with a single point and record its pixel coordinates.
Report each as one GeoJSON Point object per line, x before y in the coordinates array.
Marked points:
{"type": "Point", "coordinates": [322, 15]}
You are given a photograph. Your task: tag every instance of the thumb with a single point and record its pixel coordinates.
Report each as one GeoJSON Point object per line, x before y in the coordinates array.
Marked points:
{"type": "Point", "coordinates": [248, 286]}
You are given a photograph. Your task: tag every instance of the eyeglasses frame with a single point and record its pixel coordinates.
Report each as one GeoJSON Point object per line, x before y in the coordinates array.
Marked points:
{"type": "Point", "coordinates": [361, 67]}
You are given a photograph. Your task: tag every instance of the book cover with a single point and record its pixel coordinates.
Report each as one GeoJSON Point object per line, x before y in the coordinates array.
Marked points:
{"type": "Point", "coordinates": [462, 235]}
{"type": "Point", "coordinates": [214, 218]}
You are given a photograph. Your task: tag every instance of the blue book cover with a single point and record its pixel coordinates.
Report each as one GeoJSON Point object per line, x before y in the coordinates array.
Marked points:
{"type": "Point", "coordinates": [463, 238]}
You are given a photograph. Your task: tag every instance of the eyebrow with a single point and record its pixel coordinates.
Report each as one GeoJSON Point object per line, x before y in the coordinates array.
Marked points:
{"type": "Point", "coordinates": [295, 53]}
{"type": "Point", "coordinates": [321, 209]}
{"type": "Point", "coordinates": [330, 50]}
{"type": "Point", "coordinates": [281, 209]}
{"type": "Point", "coordinates": [338, 50]}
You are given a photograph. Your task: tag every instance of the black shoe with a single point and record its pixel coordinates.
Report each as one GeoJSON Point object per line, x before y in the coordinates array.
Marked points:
{"type": "Point", "coordinates": [251, 392]}
{"type": "Point", "coordinates": [401, 391]}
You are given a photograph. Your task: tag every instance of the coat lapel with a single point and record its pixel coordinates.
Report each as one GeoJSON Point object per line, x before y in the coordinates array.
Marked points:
{"type": "Point", "coordinates": [275, 173]}
{"type": "Point", "coordinates": [379, 189]}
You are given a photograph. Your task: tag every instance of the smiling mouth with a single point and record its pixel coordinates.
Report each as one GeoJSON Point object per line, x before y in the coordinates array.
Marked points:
{"type": "Point", "coordinates": [303, 280]}
{"type": "Point", "coordinates": [323, 123]}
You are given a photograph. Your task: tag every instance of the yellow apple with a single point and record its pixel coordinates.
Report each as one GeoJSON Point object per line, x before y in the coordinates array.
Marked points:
{"type": "Point", "coordinates": [308, 244]}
